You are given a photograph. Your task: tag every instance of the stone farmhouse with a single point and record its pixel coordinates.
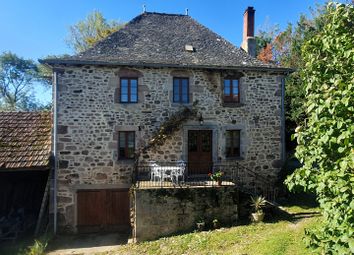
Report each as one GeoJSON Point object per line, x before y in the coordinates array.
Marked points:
{"type": "Point", "coordinates": [162, 94]}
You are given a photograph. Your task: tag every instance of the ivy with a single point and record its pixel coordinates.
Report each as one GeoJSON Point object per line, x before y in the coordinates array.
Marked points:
{"type": "Point", "coordinates": [170, 126]}
{"type": "Point", "coordinates": [326, 139]}
{"type": "Point", "coordinates": [167, 129]}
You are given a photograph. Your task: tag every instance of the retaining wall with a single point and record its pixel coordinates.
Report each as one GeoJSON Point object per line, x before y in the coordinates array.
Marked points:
{"type": "Point", "coordinates": [162, 212]}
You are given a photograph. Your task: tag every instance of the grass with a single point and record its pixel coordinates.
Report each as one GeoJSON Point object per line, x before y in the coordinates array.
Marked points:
{"type": "Point", "coordinates": [38, 248]}
{"type": "Point", "coordinates": [283, 236]}
{"type": "Point", "coordinates": [25, 246]}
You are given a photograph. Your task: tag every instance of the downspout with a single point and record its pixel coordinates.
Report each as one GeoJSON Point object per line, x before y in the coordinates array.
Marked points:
{"type": "Point", "coordinates": [55, 148]}
{"type": "Point", "coordinates": [283, 147]}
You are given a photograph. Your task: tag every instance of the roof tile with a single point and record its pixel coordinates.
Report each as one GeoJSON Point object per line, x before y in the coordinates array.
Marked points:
{"type": "Point", "coordinates": [160, 39]}
{"type": "Point", "coordinates": [25, 139]}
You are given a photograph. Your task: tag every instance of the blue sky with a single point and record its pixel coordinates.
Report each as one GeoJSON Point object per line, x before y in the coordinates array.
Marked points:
{"type": "Point", "coordinates": [36, 28]}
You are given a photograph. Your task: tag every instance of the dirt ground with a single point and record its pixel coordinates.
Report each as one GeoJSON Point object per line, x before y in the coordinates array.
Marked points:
{"type": "Point", "coordinates": [85, 243]}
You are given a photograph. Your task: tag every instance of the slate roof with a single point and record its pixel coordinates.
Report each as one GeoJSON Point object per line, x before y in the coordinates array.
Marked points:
{"type": "Point", "coordinates": [25, 139]}
{"type": "Point", "coordinates": [159, 39]}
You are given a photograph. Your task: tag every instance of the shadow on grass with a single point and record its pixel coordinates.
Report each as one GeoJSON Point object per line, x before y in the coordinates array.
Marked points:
{"type": "Point", "coordinates": [276, 214]}
{"type": "Point", "coordinates": [307, 208]}
{"type": "Point", "coordinates": [302, 200]}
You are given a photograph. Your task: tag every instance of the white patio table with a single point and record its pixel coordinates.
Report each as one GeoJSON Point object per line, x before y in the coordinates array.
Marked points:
{"type": "Point", "coordinates": [172, 173]}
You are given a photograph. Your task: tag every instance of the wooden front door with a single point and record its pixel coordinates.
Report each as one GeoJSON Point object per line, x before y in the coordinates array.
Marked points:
{"type": "Point", "coordinates": [200, 151]}
{"type": "Point", "coordinates": [103, 210]}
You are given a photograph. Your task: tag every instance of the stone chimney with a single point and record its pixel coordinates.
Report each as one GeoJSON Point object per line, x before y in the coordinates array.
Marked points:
{"type": "Point", "coordinates": [249, 41]}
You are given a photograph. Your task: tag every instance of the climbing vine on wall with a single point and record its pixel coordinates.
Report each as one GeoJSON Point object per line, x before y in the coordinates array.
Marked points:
{"type": "Point", "coordinates": [170, 126]}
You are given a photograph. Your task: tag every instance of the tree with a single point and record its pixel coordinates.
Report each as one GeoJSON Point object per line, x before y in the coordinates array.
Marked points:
{"type": "Point", "coordinates": [266, 53]}
{"type": "Point", "coordinates": [45, 72]}
{"type": "Point", "coordinates": [264, 39]}
{"type": "Point", "coordinates": [326, 137]}
{"type": "Point", "coordinates": [284, 48]}
{"type": "Point", "coordinates": [17, 76]}
{"type": "Point", "coordinates": [94, 28]}
{"type": "Point", "coordinates": [288, 52]}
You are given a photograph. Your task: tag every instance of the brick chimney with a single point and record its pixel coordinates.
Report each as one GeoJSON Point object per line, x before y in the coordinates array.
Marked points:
{"type": "Point", "coordinates": [249, 41]}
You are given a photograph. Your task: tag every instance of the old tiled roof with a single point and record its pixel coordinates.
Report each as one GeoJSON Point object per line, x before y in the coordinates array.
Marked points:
{"type": "Point", "coordinates": [25, 139]}
{"type": "Point", "coordinates": [158, 39]}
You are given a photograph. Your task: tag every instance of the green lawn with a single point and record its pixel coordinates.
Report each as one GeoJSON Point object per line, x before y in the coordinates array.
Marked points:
{"type": "Point", "coordinates": [280, 237]}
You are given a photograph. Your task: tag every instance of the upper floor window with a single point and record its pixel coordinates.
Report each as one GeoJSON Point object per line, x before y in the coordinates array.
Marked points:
{"type": "Point", "coordinates": [128, 90]}
{"type": "Point", "coordinates": [232, 143]}
{"type": "Point", "coordinates": [231, 90]}
{"type": "Point", "coordinates": [126, 144]}
{"type": "Point", "coordinates": [181, 90]}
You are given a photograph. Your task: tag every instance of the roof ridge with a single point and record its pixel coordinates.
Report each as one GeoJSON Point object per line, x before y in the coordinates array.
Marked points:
{"type": "Point", "coordinates": [165, 14]}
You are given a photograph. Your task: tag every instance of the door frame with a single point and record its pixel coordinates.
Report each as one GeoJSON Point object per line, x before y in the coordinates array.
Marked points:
{"type": "Point", "coordinates": [205, 126]}
{"type": "Point", "coordinates": [202, 161]}
{"type": "Point", "coordinates": [83, 187]}
{"type": "Point", "coordinates": [106, 227]}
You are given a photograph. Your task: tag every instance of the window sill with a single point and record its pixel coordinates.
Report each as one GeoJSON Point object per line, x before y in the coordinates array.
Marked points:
{"type": "Point", "coordinates": [232, 105]}
{"type": "Point", "coordinates": [174, 104]}
{"type": "Point", "coordinates": [126, 161]}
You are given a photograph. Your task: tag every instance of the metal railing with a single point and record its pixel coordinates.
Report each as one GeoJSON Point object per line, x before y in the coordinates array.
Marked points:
{"type": "Point", "coordinates": [176, 174]}
{"type": "Point", "coordinates": [188, 174]}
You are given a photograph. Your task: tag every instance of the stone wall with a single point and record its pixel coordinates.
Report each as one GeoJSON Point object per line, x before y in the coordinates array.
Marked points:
{"type": "Point", "coordinates": [162, 212]}
{"type": "Point", "coordinates": [90, 116]}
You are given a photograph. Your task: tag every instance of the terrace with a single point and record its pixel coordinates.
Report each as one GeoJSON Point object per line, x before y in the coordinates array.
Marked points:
{"type": "Point", "coordinates": [180, 174]}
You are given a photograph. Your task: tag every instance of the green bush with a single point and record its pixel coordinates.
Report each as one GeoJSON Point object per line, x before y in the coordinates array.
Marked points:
{"type": "Point", "coordinates": [326, 139]}
{"type": "Point", "coordinates": [37, 248]}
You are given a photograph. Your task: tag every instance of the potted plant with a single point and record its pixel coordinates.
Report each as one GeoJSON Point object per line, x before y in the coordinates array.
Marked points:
{"type": "Point", "coordinates": [216, 223]}
{"type": "Point", "coordinates": [258, 203]}
{"type": "Point", "coordinates": [217, 176]}
{"type": "Point", "coordinates": [200, 225]}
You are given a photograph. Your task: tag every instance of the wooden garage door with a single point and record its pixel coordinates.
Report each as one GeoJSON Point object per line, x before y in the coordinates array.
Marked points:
{"type": "Point", "coordinates": [103, 210]}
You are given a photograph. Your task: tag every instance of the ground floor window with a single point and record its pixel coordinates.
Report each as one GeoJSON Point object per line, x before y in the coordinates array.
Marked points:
{"type": "Point", "coordinates": [126, 145]}
{"type": "Point", "coordinates": [232, 143]}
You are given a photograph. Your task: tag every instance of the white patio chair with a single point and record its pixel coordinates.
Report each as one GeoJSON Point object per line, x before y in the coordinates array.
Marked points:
{"type": "Point", "coordinates": [155, 171]}
{"type": "Point", "coordinates": [179, 171]}
{"type": "Point", "coordinates": [167, 173]}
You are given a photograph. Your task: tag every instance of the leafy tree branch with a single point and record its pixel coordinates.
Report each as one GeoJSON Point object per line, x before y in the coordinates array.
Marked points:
{"type": "Point", "coordinates": [89, 31]}
{"type": "Point", "coordinates": [326, 139]}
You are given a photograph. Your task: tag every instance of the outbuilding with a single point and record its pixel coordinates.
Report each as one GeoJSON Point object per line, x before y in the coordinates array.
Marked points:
{"type": "Point", "coordinates": [25, 146]}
